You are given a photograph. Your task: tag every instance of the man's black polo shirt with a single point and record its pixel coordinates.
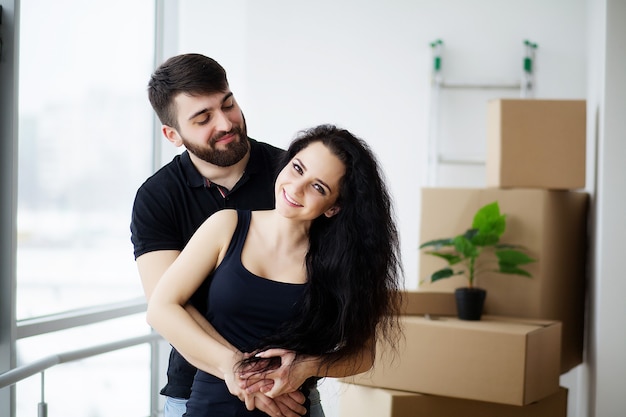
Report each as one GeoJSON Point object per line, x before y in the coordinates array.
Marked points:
{"type": "Point", "coordinates": [171, 205]}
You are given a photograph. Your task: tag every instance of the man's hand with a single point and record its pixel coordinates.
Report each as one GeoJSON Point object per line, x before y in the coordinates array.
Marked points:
{"type": "Point", "coordinates": [289, 405]}
{"type": "Point", "coordinates": [285, 405]}
{"type": "Point", "coordinates": [287, 377]}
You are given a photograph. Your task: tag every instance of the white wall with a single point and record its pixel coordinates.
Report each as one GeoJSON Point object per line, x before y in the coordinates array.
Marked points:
{"type": "Point", "coordinates": [365, 65]}
{"type": "Point", "coordinates": [607, 331]}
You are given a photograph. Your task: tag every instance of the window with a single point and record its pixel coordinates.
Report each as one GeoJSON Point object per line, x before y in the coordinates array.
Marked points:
{"type": "Point", "coordinates": [85, 145]}
{"type": "Point", "coordinates": [84, 148]}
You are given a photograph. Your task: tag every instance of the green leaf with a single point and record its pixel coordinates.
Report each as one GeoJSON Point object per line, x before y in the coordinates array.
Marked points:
{"type": "Point", "coordinates": [438, 243]}
{"type": "Point", "coordinates": [490, 223]}
{"type": "Point", "coordinates": [486, 214]}
{"type": "Point", "coordinates": [512, 269]}
{"type": "Point", "coordinates": [513, 257]}
{"type": "Point", "coordinates": [465, 247]}
{"type": "Point", "coordinates": [451, 258]}
{"type": "Point", "coordinates": [470, 233]}
{"type": "Point", "coordinates": [486, 239]}
{"type": "Point", "coordinates": [443, 273]}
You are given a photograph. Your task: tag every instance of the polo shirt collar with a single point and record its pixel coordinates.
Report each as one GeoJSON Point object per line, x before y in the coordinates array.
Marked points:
{"type": "Point", "coordinates": [193, 177]}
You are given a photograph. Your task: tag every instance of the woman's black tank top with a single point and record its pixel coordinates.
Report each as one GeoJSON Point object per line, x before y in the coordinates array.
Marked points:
{"type": "Point", "coordinates": [243, 308]}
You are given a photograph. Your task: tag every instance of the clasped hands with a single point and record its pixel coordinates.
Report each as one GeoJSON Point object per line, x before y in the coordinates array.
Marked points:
{"type": "Point", "coordinates": [274, 391]}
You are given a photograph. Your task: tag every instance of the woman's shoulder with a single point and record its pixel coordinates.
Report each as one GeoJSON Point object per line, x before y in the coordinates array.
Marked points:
{"type": "Point", "coordinates": [224, 215]}
{"type": "Point", "coordinates": [220, 224]}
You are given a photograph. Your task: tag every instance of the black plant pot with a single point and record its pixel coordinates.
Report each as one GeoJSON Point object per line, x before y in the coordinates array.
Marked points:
{"type": "Point", "coordinates": [469, 302]}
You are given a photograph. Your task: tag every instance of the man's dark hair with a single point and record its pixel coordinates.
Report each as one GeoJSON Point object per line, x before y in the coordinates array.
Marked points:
{"type": "Point", "coordinates": [192, 74]}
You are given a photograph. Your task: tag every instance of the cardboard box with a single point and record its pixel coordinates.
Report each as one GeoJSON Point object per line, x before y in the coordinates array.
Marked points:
{"type": "Point", "coordinates": [361, 401]}
{"type": "Point", "coordinates": [496, 359]}
{"type": "Point", "coordinates": [551, 225]}
{"type": "Point", "coordinates": [422, 303]}
{"type": "Point", "coordinates": [536, 143]}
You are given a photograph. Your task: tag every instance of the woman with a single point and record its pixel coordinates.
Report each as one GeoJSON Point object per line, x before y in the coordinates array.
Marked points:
{"type": "Point", "coordinates": [311, 283]}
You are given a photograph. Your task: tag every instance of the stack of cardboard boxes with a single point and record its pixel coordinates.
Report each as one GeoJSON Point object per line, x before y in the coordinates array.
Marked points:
{"type": "Point", "coordinates": [508, 363]}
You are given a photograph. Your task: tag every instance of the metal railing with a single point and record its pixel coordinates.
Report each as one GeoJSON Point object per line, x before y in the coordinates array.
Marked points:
{"type": "Point", "coordinates": [79, 317]}
{"type": "Point", "coordinates": [72, 319]}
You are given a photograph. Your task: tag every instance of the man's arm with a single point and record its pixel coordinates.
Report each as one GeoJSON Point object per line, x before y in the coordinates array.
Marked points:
{"type": "Point", "coordinates": [152, 266]}
{"type": "Point", "coordinates": [294, 370]}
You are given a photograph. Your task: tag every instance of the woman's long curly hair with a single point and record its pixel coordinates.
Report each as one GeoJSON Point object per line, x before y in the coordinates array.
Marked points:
{"type": "Point", "coordinates": [353, 263]}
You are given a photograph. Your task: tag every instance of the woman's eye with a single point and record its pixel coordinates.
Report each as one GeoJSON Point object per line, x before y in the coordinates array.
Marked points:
{"type": "Point", "coordinates": [319, 189]}
{"type": "Point", "coordinates": [297, 167]}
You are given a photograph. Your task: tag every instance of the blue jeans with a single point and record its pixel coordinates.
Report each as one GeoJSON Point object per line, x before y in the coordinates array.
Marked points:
{"type": "Point", "coordinates": [176, 407]}
{"type": "Point", "coordinates": [316, 403]}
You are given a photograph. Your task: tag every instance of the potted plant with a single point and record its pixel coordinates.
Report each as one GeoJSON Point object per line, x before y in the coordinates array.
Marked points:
{"type": "Point", "coordinates": [467, 254]}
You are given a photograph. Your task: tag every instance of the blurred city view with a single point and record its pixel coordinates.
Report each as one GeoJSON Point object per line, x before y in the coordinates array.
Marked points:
{"type": "Point", "coordinates": [85, 146]}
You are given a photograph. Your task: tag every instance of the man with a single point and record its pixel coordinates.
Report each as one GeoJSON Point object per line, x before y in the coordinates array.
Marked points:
{"type": "Point", "coordinates": [221, 168]}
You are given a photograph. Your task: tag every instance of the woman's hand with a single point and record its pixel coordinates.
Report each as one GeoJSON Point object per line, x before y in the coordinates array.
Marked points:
{"type": "Point", "coordinates": [287, 377]}
{"type": "Point", "coordinates": [233, 385]}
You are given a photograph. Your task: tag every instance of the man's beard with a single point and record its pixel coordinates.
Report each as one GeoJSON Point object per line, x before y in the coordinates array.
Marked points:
{"type": "Point", "coordinates": [234, 152]}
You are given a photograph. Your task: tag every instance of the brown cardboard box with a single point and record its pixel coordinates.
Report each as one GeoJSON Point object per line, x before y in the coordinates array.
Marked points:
{"type": "Point", "coordinates": [496, 359]}
{"type": "Point", "coordinates": [361, 401]}
{"type": "Point", "coordinates": [420, 303]}
{"type": "Point", "coordinates": [536, 143]}
{"type": "Point", "coordinates": [552, 226]}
